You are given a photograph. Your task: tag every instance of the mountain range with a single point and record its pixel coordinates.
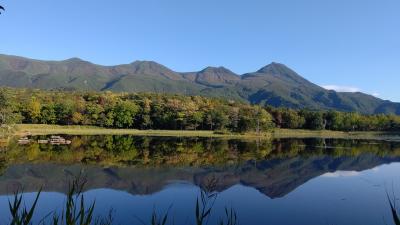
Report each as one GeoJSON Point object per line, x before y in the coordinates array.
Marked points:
{"type": "Point", "coordinates": [275, 84]}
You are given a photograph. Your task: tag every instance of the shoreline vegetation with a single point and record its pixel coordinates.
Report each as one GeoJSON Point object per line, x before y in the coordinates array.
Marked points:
{"type": "Point", "coordinates": [41, 112]}
{"type": "Point", "coordinates": [43, 129]}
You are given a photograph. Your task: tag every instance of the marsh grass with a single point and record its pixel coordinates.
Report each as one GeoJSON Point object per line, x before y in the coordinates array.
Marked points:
{"type": "Point", "coordinates": [230, 217]}
{"type": "Point", "coordinates": [157, 219]}
{"type": "Point", "coordinates": [21, 215]}
{"type": "Point", "coordinates": [393, 210]}
{"type": "Point", "coordinates": [77, 212]}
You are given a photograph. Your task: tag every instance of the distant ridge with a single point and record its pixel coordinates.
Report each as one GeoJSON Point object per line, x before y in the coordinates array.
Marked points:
{"type": "Point", "coordinates": [275, 84]}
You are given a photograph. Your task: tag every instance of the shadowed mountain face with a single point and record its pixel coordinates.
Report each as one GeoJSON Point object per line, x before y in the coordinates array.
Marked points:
{"type": "Point", "coordinates": [274, 178]}
{"type": "Point", "coordinates": [274, 84]}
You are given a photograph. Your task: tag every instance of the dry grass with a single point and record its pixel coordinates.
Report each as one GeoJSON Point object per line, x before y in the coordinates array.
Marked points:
{"type": "Point", "coordinates": [41, 129]}
{"type": "Point", "coordinates": [294, 133]}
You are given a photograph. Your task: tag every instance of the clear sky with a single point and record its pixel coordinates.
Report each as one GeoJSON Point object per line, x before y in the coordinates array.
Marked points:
{"type": "Point", "coordinates": [346, 44]}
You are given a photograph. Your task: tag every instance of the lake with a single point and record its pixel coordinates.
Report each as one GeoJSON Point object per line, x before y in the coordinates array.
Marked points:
{"type": "Point", "coordinates": [286, 181]}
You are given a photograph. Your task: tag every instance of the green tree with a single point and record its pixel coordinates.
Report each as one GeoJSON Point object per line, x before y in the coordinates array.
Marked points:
{"type": "Point", "coordinates": [291, 119]}
{"type": "Point", "coordinates": [48, 114]}
{"type": "Point", "coordinates": [5, 111]}
{"type": "Point", "coordinates": [144, 119]}
{"type": "Point", "coordinates": [196, 119]}
{"type": "Point", "coordinates": [108, 118]}
{"type": "Point", "coordinates": [247, 119]}
{"type": "Point", "coordinates": [263, 119]}
{"type": "Point", "coordinates": [314, 120]}
{"type": "Point", "coordinates": [254, 118]}
{"type": "Point", "coordinates": [94, 112]}
{"type": "Point", "coordinates": [125, 111]}
{"type": "Point", "coordinates": [64, 111]}
{"type": "Point", "coordinates": [334, 120]}
{"type": "Point", "coordinates": [217, 119]}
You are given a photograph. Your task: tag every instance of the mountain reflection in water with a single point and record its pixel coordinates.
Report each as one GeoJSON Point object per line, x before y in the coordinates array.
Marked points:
{"type": "Point", "coordinates": [151, 166]}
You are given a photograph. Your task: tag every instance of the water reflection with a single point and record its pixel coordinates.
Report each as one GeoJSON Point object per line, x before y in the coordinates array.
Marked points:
{"type": "Point", "coordinates": [250, 174]}
{"type": "Point", "coordinates": [166, 151]}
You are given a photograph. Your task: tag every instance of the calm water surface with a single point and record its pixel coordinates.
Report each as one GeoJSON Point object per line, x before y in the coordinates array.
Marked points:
{"type": "Point", "coordinates": [288, 181]}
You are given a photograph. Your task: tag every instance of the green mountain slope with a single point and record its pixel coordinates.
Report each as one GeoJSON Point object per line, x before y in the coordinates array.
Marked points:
{"type": "Point", "coordinates": [278, 85]}
{"type": "Point", "coordinates": [274, 84]}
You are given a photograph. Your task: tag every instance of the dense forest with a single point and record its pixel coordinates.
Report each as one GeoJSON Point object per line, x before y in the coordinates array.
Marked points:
{"type": "Point", "coordinates": [174, 112]}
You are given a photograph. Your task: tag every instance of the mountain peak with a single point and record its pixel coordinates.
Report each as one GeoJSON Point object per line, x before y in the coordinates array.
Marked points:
{"type": "Point", "coordinates": [143, 66]}
{"type": "Point", "coordinates": [275, 68]}
{"type": "Point", "coordinates": [219, 69]}
{"type": "Point", "coordinates": [74, 59]}
{"type": "Point", "coordinates": [281, 71]}
{"type": "Point", "coordinates": [154, 68]}
{"type": "Point", "coordinates": [215, 76]}
{"type": "Point", "coordinates": [145, 62]}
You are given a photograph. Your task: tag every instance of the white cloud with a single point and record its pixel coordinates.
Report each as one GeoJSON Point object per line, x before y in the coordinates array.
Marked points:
{"type": "Point", "coordinates": [376, 94]}
{"type": "Point", "coordinates": [342, 174]}
{"type": "Point", "coordinates": [342, 88]}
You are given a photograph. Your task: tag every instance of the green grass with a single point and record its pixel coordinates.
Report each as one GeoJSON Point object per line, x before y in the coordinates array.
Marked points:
{"type": "Point", "coordinates": [42, 129]}
{"type": "Point", "coordinates": [369, 135]}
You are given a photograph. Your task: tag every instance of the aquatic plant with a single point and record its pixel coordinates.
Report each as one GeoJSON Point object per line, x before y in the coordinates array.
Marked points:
{"type": "Point", "coordinates": [157, 219]}
{"type": "Point", "coordinates": [231, 217]}
{"type": "Point", "coordinates": [21, 215]}
{"type": "Point", "coordinates": [204, 205]}
{"type": "Point", "coordinates": [77, 212]}
{"type": "Point", "coordinates": [395, 215]}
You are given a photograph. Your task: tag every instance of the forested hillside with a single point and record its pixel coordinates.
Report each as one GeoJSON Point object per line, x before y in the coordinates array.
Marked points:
{"type": "Point", "coordinates": [173, 112]}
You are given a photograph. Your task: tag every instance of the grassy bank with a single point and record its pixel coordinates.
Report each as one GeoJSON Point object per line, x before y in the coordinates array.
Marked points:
{"type": "Point", "coordinates": [41, 129]}
{"type": "Point", "coordinates": [370, 135]}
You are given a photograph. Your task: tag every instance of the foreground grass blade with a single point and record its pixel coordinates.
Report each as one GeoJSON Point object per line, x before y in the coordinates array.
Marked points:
{"type": "Point", "coordinates": [22, 216]}
{"type": "Point", "coordinates": [29, 216]}
{"type": "Point", "coordinates": [395, 216]}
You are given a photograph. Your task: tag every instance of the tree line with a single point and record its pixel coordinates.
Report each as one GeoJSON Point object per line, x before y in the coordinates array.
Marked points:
{"type": "Point", "coordinates": [127, 110]}
{"type": "Point", "coordinates": [334, 120]}
{"type": "Point", "coordinates": [174, 112]}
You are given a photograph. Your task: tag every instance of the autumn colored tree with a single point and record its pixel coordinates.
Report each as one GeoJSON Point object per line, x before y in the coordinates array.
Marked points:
{"type": "Point", "coordinates": [34, 110]}
{"type": "Point", "coordinates": [156, 111]}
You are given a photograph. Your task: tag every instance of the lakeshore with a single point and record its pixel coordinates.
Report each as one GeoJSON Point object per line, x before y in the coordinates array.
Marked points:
{"type": "Point", "coordinates": [42, 129]}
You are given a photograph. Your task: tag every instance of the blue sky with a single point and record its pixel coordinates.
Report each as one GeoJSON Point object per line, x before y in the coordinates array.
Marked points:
{"type": "Point", "coordinates": [346, 44]}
